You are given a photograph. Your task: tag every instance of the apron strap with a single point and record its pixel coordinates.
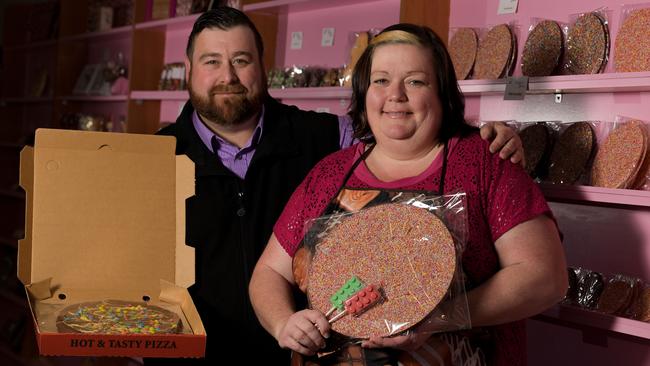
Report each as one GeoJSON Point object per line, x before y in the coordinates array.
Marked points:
{"type": "Point", "coordinates": [443, 172]}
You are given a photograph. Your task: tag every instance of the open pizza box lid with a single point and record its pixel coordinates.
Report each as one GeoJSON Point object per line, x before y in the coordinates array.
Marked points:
{"type": "Point", "coordinates": [105, 219]}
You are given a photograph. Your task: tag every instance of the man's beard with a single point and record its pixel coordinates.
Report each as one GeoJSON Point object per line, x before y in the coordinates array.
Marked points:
{"type": "Point", "coordinates": [229, 111]}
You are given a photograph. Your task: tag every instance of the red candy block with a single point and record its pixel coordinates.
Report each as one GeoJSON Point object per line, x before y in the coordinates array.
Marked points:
{"type": "Point", "coordinates": [362, 300]}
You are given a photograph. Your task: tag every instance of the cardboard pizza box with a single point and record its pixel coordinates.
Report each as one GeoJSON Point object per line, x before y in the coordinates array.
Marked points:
{"type": "Point", "coordinates": [105, 220]}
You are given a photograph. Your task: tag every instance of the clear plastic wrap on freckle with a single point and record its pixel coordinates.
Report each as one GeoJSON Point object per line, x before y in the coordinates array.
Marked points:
{"type": "Point", "coordinates": [387, 262]}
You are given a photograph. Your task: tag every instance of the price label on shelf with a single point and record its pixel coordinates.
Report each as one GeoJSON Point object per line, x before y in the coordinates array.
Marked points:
{"type": "Point", "coordinates": [296, 40]}
{"type": "Point", "coordinates": [327, 39]}
{"type": "Point", "coordinates": [516, 88]}
{"type": "Point", "coordinates": [507, 6]}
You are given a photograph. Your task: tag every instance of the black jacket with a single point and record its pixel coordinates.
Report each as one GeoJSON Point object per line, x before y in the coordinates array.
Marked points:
{"type": "Point", "coordinates": [229, 220]}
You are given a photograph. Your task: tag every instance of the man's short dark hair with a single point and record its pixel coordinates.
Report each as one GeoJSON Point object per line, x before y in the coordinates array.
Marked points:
{"type": "Point", "coordinates": [224, 18]}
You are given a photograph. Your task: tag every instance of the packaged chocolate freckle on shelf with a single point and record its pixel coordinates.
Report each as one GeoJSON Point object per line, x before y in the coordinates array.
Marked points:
{"type": "Point", "coordinates": [384, 262]}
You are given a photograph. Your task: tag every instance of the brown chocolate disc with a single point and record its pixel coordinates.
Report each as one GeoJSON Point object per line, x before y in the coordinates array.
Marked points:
{"type": "Point", "coordinates": [587, 45]}
{"type": "Point", "coordinates": [640, 308]}
{"type": "Point", "coordinates": [117, 317]}
{"type": "Point", "coordinates": [494, 52]}
{"type": "Point", "coordinates": [632, 51]}
{"type": "Point", "coordinates": [619, 158]}
{"type": "Point", "coordinates": [542, 50]}
{"type": "Point", "coordinates": [462, 49]}
{"type": "Point", "coordinates": [536, 141]}
{"type": "Point", "coordinates": [616, 295]}
{"type": "Point", "coordinates": [406, 251]}
{"type": "Point", "coordinates": [571, 153]}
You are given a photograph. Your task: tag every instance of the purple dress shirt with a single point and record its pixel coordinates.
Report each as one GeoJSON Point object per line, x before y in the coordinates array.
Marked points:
{"type": "Point", "coordinates": [238, 160]}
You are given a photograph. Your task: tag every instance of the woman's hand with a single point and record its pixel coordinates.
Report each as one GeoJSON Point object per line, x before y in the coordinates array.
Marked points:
{"type": "Point", "coordinates": [304, 332]}
{"type": "Point", "coordinates": [408, 342]}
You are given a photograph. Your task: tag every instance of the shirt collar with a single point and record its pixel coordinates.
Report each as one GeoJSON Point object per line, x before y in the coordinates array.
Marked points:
{"type": "Point", "coordinates": [206, 134]}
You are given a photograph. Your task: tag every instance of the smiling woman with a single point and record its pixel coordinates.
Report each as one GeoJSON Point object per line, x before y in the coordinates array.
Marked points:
{"type": "Point", "coordinates": [408, 112]}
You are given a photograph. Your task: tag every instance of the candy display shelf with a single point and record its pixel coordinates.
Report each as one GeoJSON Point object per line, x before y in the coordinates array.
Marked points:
{"type": "Point", "coordinates": [595, 195]}
{"type": "Point", "coordinates": [599, 83]}
{"type": "Point", "coordinates": [580, 319]}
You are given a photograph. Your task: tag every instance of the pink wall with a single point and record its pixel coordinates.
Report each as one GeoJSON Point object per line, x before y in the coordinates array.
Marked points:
{"type": "Point", "coordinates": [606, 239]}
{"type": "Point", "coordinates": [345, 19]}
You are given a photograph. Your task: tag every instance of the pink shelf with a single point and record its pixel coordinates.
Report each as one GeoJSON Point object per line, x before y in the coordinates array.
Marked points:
{"type": "Point", "coordinates": [599, 83]}
{"type": "Point", "coordinates": [95, 98]}
{"type": "Point", "coordinates": [124, 31]}
{"type": "Point", "coordinates": [579, 318]}
{"type": "Point", "coordinates": [588, 194]}
{"type": "Point", "coordinates": [160, 95]}
{"type": "Point", "coordinates": [286, 6]}
{"type": "Point", "coordinates": [328, 92]}
{"type": "Point", "coordinates": [170, 23]}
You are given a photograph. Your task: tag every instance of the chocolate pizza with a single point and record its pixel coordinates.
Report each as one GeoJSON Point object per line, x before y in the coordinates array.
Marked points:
{"type": "Point", "coordinates": [117, 317]}
{"type": "Point", "coordinates": [405, 252]}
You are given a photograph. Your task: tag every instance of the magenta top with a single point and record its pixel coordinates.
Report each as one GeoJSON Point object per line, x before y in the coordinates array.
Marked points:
{"type": "Point", "coordinates": [500, 195]}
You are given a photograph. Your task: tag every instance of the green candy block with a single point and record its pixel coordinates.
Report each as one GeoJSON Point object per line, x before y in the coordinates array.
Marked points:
{"type": "Point", "coordinates": [351, 287]}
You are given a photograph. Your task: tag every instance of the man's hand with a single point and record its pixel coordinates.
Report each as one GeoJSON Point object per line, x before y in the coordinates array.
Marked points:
{"type": "Point", "coordinates": [505, 141]}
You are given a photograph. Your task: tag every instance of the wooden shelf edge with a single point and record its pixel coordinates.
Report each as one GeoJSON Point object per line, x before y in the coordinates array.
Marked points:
{"type": "Point", "coordinates": [328, 92]}
{"type": "Point", "coordinates": [120, 31]}
{"type": "Point", "coordinates": [579, 318]}
{"type": "Point", "coordinates": [32, 45]}
{"type": "Point", "coordinates": [94, 98]}
{"type": "Point", "coordinates": [160, 95]}
{"type": "Point", "coordinates": [285, 6]}
{"type": "Point", "coordinates": [19, 100]}
{"type": "Point", "coordinates": [595, 195]}
{"type": "Point", "coordinates": [169, 23]}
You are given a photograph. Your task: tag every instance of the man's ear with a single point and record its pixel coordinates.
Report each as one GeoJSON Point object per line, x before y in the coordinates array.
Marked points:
{"type": "Point", "coordinates": [188, 66]}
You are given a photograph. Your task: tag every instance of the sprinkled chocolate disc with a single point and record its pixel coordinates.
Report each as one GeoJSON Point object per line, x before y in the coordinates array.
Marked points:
{"type": "Point", "coordinates": [587, 45]}
{"type": "Point", "coordinates": [542, 49]}
{"type": "Point", "coordinates": [117, 317]}
{"type": "Point", "coordinates": [406, 251]}
{"type": "Point", "coordinates": [536, 141]}
{"type": "Point", "coordinates": [571, 153]}
{"type": "Point", "coordinates": [462, 49]}
{"type": "Point", "coordinates": [619, 158]}
{"type": "Point", "coordinates": [494, 53]}
{"type": "Point", "coordinates": [642, 176]}
{"type": "Point", "coordinates": [632, 52]}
